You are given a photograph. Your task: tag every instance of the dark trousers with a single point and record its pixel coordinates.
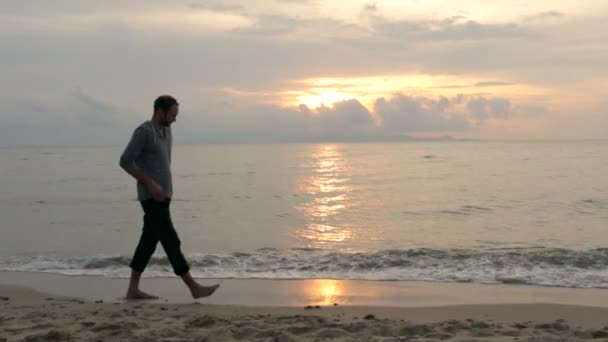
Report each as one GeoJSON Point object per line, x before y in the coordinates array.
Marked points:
{"type": "Point", "coordinates": [158, 227]}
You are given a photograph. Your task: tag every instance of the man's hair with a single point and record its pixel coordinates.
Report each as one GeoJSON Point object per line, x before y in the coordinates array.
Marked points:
{"type": "Point", "coordinates": [164, 103]}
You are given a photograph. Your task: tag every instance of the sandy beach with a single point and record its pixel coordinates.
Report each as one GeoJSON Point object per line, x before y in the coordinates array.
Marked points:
{"type": "Point", "coordinates": [45, 311]}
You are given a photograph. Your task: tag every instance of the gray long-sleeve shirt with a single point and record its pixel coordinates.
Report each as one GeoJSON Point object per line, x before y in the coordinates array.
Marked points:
{"type": "Point", "coordinates": [150, 152]}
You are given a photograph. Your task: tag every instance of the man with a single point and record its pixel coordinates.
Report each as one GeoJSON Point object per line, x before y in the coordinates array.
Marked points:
{"type": "Point", "coordinates": [147, 158]}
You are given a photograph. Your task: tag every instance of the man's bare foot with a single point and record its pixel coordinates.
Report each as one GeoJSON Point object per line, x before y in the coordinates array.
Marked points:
{"type": "Point", "coordinates": [199, 291]}
{"type": "Point", "coordinates": [139, 294]}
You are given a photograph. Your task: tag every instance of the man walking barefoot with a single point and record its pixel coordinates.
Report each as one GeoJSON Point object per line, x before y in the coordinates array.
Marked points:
{"type": "Point", "coordinates": [147, 158]}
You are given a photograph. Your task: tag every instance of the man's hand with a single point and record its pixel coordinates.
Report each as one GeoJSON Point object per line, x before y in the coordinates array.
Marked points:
{"type": "Point", "coordinates": [156, 191]}
{"type": "Point", "coordinates": [153, 188]}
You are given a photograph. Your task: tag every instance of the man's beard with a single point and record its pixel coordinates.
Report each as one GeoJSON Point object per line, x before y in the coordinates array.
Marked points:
{"type": "Point", "coordinates": [165, 122]}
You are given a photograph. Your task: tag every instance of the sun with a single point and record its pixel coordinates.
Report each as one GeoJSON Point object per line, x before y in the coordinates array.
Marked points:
{"type": "Point", "coordinates": [326, 97]}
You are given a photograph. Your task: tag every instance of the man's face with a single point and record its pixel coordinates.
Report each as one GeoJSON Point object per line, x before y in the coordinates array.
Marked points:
{"type": "Point", "coordinates": [170, 116]}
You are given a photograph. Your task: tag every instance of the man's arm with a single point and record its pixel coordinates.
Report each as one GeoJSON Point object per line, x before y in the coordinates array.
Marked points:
{"type": "Point", "coordinates": [127, 162]}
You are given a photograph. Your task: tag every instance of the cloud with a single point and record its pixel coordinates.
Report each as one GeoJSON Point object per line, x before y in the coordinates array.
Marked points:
{"type": "Point", "coordinates": [297, 1]}
{"type": "Point", "coordinates": [347, 120]}
{"type": "Point", "coordinates": [215, 5]}
{"type": "Point", "coordinates": [351, 121]}
{"type": "Point", "coordinates": [75, 118]}
{"type": "Point", "coordinates": [451, 29]}
{"type": "Point", "coordinates": [492, 84]}
{"type": "Point", "coordinates": [500, 108]}
{"type": "Point", "coordinates": [316, 47]}
{"type": "Point", "coordinates": [528, 111]}
{"type": "Point", "coordinates": [454, 19]}
{"type": "Point", "coordinates": [478, 84]}
{"type": "Point", "coordinates": [482, 109]}
{"type": "Point", "coordinates": [370, 7]}
{"type": "Point", "coordinates": [270, 25]}
{"type": "Point", "coordinates": [406, 114]}
{"type": "Point", "coordinates": [90, 111]}
{"type": "Point", "coordinates": [542, 16]}
{"type": "Point", "coordinates": [121, 57]}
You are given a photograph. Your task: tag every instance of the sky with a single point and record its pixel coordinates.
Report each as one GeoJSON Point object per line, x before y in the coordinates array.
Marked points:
{"type": "Point", "coordinates": [81, 72]}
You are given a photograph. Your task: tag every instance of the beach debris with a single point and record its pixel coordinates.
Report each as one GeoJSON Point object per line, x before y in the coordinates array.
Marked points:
{"type": "Point", "coordinates": [369, 316]}
{"type": "Point", "coordinates": [558, 325]}
{"type": "Point", "coordinates": [6, 299]}
{"type": "Point", "coordinates": [335, 304]}
{"type": "Point", "coordinates": [99, 301]}
{"type": "Point", "coordinates": [479, 325]}
{"type": "Point", "coordinates": [310, 307]}
{"type": "Point", "coordinates": [599, 334]}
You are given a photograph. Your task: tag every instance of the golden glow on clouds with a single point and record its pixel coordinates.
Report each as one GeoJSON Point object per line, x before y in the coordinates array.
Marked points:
{"type": "Point", "coordinates": [553, 60]}
{"type": "Point", "coordinates": [318, 97]}
{"type": "Point", "coordinates": [192, 20]}
{"type": "Point", "coordinates": [482, 11]}
{"type": "Point", "coordinates": [238, 14]}
{"type": "Point", "coordinates": [326, 91]}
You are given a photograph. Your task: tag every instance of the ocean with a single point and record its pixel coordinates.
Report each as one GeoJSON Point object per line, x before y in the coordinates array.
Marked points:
{"type": "Point", "coordinates": [479, 212]}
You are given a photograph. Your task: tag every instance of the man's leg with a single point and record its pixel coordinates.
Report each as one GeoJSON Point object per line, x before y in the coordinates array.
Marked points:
{"type": "Point", "coordinates": [133, 292]}
{"type": "Point", "coordinates": [172, 246]}
{"type": "Point", "coordinates": [143, 252]}
{"type": "Point", "coordinates": [197, 290]}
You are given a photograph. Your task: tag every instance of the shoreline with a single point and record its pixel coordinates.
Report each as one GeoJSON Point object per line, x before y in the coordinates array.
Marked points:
{"type": "Point", "coordinates": [46, 307]}
{"type": "Point", "coordinates": [29, 315]}
{"type": "Point", "coordinates": [299, 293]}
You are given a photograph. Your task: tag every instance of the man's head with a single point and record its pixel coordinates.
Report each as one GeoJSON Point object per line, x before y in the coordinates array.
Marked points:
{"type": "Point", "coordinates": [166, 108]}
